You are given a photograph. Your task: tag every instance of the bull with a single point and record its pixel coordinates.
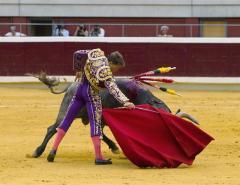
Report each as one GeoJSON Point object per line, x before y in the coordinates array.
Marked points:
{"type": "Point", "coordinates": [137, 94]}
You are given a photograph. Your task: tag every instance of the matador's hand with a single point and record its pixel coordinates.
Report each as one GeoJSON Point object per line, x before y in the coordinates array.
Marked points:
{"type": "Point", "coordinates": [129, 105]}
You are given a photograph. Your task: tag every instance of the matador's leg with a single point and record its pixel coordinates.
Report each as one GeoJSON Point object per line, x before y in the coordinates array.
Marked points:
{"type": "Point", "coordinates": [94, 107]}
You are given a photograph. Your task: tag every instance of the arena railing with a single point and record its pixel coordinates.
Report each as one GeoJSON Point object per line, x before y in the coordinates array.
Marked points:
{"type": "Point", "coordinates": [129, 30]}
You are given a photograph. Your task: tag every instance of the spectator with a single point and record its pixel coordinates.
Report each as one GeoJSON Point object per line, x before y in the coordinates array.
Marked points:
{"type": "Point", "coordinates": [14, 33]}
{"type": "Point", "coordinates": [97, 31]}
{"type": "Point", "coordinates": [81, 31]}
{"type": "Point", "coordinates": [164, 31]}
{"type": "Point", "coordinates": [61, 31]}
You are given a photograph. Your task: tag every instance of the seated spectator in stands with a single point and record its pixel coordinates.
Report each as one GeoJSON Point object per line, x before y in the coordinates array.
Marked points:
{"type": "Point", "coordinates": [164, 31]}
{"type": "Point", "coordinates": [97, 31]}
{"type": "Point", "coordinates": [61, 31]}
{"type": "Point", "coordinates": [81, 31]}
{"type": "Point", "coordinates": [14, 33]}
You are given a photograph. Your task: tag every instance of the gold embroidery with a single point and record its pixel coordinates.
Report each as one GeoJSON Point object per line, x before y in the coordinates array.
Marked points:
{"type": "Point", "coordinates": [97, 63]}
{"type": "Point", "coordinates": [104, 73]}
{"type": "Point", "coordinates": [115, 91]}
{"type": "Point", "coordinates": [96, 100]}
{"type": "Point", "coordinates": [96, 54]}
{"type": "Point", "coordinates": [93, 69]}
{"type": "Point", "coordinates": [97, 70]}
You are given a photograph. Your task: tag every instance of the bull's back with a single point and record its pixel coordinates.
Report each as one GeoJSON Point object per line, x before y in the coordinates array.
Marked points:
{"type": "Point", "coordinates": [133, 90]}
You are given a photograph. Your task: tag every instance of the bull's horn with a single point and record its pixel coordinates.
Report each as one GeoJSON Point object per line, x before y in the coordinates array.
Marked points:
{"type": "Point", "coordinates": [181, 114]}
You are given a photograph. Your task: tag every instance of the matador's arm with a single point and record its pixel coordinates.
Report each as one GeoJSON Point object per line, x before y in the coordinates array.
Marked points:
{"type": "Point", "coordinates": [113, 89]}
{"type": "Point", "coordinates": [105, 74]}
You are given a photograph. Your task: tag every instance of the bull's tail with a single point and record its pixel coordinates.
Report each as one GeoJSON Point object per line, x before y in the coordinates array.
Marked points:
{"type": "Point", "coordinates": [181, 114]}
{"type": "Point", "coordinates": [58, 92]}
{"type": "Point", "coordinates": [49, 82]}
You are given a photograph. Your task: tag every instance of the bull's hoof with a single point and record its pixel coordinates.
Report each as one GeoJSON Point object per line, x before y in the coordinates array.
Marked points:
{"type": "Point", "coordinates": [38, 152]}
{"type": "Point", "coordinates": [35, 155]}
{"type": "Point", "coordinates": [51, 156]}
{"type": "Point", "coordinates": [115, 151]}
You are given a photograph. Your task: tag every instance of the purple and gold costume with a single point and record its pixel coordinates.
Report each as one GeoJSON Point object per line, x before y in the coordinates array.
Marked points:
{"type": "Point", "coordinates": [96, 74]}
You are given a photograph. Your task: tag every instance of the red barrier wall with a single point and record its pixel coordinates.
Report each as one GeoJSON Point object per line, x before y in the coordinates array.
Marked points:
{"type": "Point", "coordinates": [190, 59]}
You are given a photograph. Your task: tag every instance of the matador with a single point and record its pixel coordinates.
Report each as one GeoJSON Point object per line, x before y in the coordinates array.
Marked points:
{"type": "Point", "coordinates": [94, 71]}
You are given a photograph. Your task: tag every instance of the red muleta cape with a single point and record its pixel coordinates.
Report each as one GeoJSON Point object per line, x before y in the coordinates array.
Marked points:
{"type": "Point", "coordinates": [154, 138]}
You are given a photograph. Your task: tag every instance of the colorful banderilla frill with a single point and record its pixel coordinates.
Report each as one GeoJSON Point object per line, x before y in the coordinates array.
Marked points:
{"type": "Point", "coordinates": [146, 78]}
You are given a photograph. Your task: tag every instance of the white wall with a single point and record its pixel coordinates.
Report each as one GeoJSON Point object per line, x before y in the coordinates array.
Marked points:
{"type": "Point", "coordinates": [123, 8]}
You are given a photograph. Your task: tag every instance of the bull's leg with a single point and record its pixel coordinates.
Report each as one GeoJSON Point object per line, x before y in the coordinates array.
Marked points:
{"type": "Point", "coordinates": [41, 148]}
{"type": "Point", "coordinates": [111, 144]}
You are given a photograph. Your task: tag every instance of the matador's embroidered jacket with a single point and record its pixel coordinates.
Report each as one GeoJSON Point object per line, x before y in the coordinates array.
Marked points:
{"type": "Point", "coordinates": [94, 64]}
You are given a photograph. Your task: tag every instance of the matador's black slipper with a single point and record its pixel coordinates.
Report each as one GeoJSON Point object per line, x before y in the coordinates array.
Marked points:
{"type": "Point", "coordinates": [103, 161]}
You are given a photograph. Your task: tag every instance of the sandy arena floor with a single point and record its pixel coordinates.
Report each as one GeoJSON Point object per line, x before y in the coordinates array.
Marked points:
{"type": "Point", "coordinates": [26, 113]}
